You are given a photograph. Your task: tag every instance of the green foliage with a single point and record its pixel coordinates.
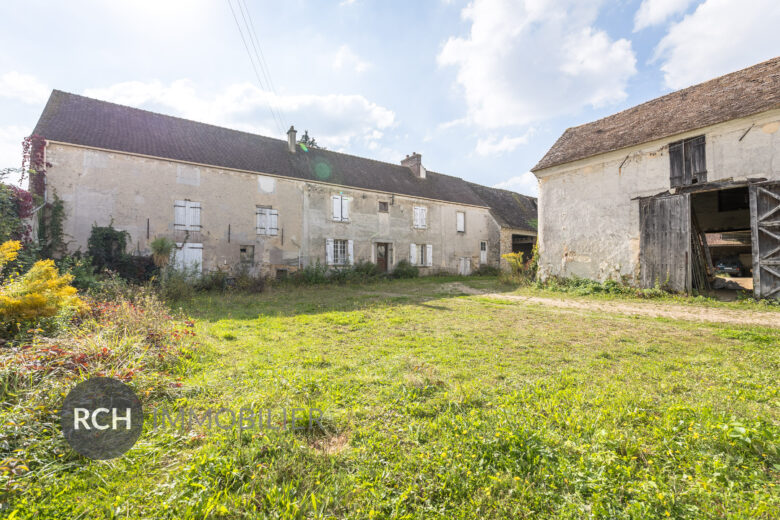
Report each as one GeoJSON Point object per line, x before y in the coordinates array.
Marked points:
{"type": "Point", "coordinates": [487, 270]}
{"type": "Point", "coordinates": [437, 405]}
{"type": "Point", "coordinates": [585, 286]}
{"type": "Point", "coordinates": [162, 247]}
{"type": "Point", "coordinates": [84, 277]}
{"type": "Point", "coordinates": [50, 234]}
{"type": "Point", "coordinates": [106, 247]}
{"type": "Point", "coordinates": [404, 269]}
{"type": "Point", "coordinates": [31, 299]}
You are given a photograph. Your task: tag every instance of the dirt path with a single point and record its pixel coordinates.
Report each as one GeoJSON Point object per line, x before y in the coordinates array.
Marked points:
{"type": "Point", "coordinates": [651, 309]}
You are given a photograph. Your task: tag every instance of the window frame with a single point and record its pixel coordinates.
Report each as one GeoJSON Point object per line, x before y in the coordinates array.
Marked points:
{"type": "Point", "coordinates": [462, 215]}
{"type": "Point", "coordinates": [386, 207]}
{"type": "Point", "coordinates": [420, 217]}
{"type": "Point", "coordinates": [268, 212]}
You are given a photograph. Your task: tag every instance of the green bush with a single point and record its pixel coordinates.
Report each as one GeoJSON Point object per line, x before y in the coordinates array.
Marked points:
{"type": "Point", "coordinates": [404, 269]}
{"type": "Point", "coordinates": [487, 270]}
{"type": "Point", "coordinates": [212, 281]}
{"type": "Point", "coordinates": [84, 277]}
{"type": "Point", "coordinates": [584, 286]}
{"type": "Point", "coordinates": [248, 282]}
{"type": "Point", "coordinates": [312, 274]}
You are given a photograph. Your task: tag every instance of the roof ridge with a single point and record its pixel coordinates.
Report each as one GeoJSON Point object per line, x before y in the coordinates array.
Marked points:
{"type": "Point", "coordinates": [677, 92]}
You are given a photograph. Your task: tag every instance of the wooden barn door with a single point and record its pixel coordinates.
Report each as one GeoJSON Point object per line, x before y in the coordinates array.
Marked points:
{"type": "Point", "coordinates": [765, 226]}
{"type": "Point", "coordinates": [665, 242]}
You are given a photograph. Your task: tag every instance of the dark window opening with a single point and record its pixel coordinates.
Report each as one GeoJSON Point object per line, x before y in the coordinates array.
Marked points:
{"type": "Point", "coordinates": [523, 244]}
{"type": "Point", "coordinates": [247, 254]}
{"type": "Point", "coordinates": [733, 200]}
{"type": "Point", "coordinates": [383, 207]}
{"type": "Point", "coordinates": [281, 274]}
{"type": "Point", "coordinates": [687, 162]}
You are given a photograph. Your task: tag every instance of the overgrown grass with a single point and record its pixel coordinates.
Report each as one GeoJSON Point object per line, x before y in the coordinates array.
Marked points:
{"type": "Point", "coordinates": [444, 405]}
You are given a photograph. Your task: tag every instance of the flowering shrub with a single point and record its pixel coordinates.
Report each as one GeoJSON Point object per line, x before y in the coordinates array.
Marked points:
{"type": "Point", "coordinates": [42, 292]}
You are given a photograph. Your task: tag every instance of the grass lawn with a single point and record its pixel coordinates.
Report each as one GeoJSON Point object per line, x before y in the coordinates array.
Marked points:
{"type": "Point", "coordinates": [439, 404]}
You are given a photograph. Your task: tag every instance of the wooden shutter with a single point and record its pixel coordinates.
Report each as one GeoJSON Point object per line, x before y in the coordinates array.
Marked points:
{"type": "Point", "coordinates": [345, 208]}
{"type": "Point", "coordinates": [413, 254]}
{"type": "Point", "coordinates": [350, 252]}
{"type": "Point", "coordinates": [193, 216]}
{"type": "Point", "coordinates": [329, 251]}
{"type": "Point", "coordinates": [698, 162]}
{"type": "Point", "coordinates": [416, 217]}
{"type": "Point", "coordinates": [261, 221]}
{"type": "Point", "coordinates": [429, 255]}
{"type": "Point", "coordinates": [460, 221]}
{"type": "Point", "coordinates": [336, 203]}
{"type": "Point", "coordinates": [195, 256]}
{"type": "Point", "coordinates": [273, 221]}
{"type": "Point", "coordinates": [423, 217]}
{"type": "Point", "coordinates": [676, 167]}
{"type": "Point", "coordinates": [180, 214]}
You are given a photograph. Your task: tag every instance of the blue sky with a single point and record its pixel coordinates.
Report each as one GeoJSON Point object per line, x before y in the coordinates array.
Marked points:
{"type": "Point", "coordinates": [481, 89]}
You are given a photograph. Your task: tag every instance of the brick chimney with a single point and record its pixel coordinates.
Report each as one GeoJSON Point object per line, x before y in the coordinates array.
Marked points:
{"type": "Point", "coordinates": [291, 139]}
{"type": "Point", "coordinates": [414, 163]}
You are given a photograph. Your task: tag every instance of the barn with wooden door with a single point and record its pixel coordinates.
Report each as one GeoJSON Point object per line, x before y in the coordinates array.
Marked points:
{"type": "Point", "coordinates": [682, 191]}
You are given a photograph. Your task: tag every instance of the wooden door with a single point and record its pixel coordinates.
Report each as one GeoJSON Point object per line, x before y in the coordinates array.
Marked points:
{"type": "Point", "coordinates": [665, 242]}
{"type": "Point", "coordinates": [382, 250]}
{"type": "Point", "coordinates": [765, 227]}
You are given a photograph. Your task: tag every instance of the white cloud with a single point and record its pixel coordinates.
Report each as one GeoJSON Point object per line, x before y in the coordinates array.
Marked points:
{"type": "Point", "coordinates": [527, 184]}
{"type": "Point", "coordinates": [23, 87]}
{"type": "Point", "coordinates": [721, 36]}
{"type": "Point", "coordinates": [335, 120]}
{"type": "Point", "coordinates": [535, 59]}
{"type": "Point", "coordinates": [345, 58]}
{"type": "Point", "coordinates": [492, 145]}
{"type": "Point", "coordinates": [655, 12]}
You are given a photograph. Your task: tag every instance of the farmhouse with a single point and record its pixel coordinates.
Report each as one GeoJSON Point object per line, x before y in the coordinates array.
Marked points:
{"type": "Point", "coordinates": [668, 191]}
{"type": "Point", "coordinates": [233, 200]}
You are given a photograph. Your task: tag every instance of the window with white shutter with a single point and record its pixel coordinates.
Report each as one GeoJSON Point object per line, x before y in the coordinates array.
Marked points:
{"type": "Point", "coordinates": [267, 221]}
{"type": "Point", "coordinates": [413, 254]}
{"type": "Point", "coordinates": [186, 215]}
{"type": "Point", "coordinates": [329, 251]}
{"type": "Point", "coordinates": [420, 217]}
{"type": "Point", "coordinates": [189, 256]}
{"type": "Point", "coordinates": [340, 208]}
{"type": "Point", "coordinates": [341, 252]}
{"type": "Point", "coordinates": [350, 252]}
{"type": "Point", "coordinates": [428, 255]}
{"type": "Point", "coordinates": [460, 222]}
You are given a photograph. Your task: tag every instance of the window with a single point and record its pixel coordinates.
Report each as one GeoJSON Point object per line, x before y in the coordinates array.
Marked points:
{"type": "Point", "coordinates": [383, 207]}
{"type": "Point", "coordinates": [421, 254]}
{"type": "Point", "coordinates": [267, 221]}
{"type": "Point", "coordinates": [733, 200]}
{"type": "Point", "coordinates": [483, 252]}
{"type": "Point", "coordinates": [340, 205]}
{"type": "Point", "coordinates": [420, 217]}
{"type": "Point", "coordinates": [186, 215]}
{"type": "Point", "coordinates": [460, 221]}
{"type": "Point", "coordinates": [687, 162]}
{"type": "Point", "coordinates": [247, 255]}
{"type": "Point", "coordinates": [339, 252]}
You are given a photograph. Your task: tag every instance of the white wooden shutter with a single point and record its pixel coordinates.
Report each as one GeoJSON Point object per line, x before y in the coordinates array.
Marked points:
{"type": "Point", "coordinates": [423, 217]}
{"type": "Point", "coordinates": [413, 254]}
{"type": "Point", "coordinates": [273, 221]}
{"type": "Point", "coordinates": [193, 216]}
{"type": "Point", "coordinates": [329, 251]}
{"type": "Point", "coordinates": [345, 208]}
{"type": "Point", "coordinates": [429, 255]}
{"type": "Point", "coordinates": [196, 257]}
{"type": "Point", "coordinates": [350, 252]}
{"type": "Point", "coordinates": [261, 221]}
{"type": "Point", "coordinates": [416, 219]}
{"type": "Point", "coordinates": [460, 218]}
{"type": "Point", "coordinates": [336, 200]}
{"type": "Point", "coordinates": [179, 214]}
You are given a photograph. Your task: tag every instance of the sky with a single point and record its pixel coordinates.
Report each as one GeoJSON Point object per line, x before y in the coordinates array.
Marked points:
{"type": "Point", "coordinates": [482, 88]}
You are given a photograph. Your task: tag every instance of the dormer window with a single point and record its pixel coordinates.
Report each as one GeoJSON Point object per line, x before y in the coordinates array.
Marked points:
{"type": "Point", "coordinates": [687, 162]}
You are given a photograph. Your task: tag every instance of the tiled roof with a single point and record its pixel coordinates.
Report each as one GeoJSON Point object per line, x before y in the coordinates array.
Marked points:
{"type": "Point", "coordinates": [79, 120]}
{"type": "Point", "coordinates": [739, 94]}
{"type": "Point", "coordinates": [510, 209]}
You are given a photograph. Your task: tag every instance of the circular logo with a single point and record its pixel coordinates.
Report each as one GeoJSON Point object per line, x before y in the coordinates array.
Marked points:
{"type": "Point", "coordinates": [101, 418]}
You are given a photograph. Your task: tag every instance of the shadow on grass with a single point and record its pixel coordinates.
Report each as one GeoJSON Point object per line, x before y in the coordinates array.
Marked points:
{"type": "Point", "coordinates": [294, 301]}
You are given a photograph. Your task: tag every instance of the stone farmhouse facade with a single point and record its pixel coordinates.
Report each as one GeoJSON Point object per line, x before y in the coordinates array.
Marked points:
{"type": "Point", "coordinates": [232, 199]}
{"type": "Point", "coordinates": [648, 194]}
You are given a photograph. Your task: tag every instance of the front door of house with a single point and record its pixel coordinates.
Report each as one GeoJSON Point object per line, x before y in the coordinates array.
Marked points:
{"type": "Point", "coordinates": [382, 256]}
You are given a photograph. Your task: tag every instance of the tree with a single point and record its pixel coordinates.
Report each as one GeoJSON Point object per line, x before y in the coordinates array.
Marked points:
{"type": "Point", "coordinates": [309, 142]}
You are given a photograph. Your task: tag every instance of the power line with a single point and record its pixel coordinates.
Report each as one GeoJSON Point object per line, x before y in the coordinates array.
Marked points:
{"type": "Point", "coordinates": [274, 115]}
{"type": "Point", "coordinates": [259, 52]}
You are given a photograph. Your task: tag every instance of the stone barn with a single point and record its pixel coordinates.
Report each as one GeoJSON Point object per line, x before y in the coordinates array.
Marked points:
{"type": "Point", "coordinates": [671, 192]}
